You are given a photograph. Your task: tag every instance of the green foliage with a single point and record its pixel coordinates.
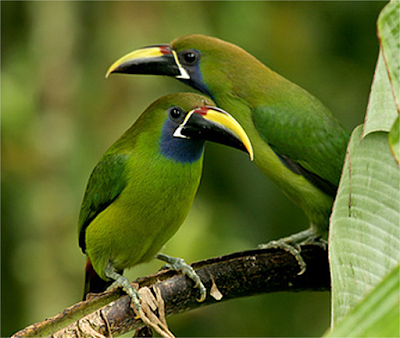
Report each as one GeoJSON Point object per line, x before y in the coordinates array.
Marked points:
{"type": "Point", "coordinates": [364, 240]}
{"type": "Point", "coordinates": [394, 141]}
{"type": "Point", "coordinates": [389, 34]}
{"type": "Point", "coordinates": [381, 111]}
{"type": "Point", "coordinates": [377, 315]}
{"type": "Point", "coordinates": [59, 115]}
{"type": "Point", "coordinates": [364, 235]}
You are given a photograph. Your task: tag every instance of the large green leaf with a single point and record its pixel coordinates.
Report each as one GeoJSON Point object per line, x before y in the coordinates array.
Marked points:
{"type": "Point", "coordinates": [394, 140]}
{"type": "Point", "coordinates": [389, 35]}
{"type": "Point", "coordinates": [365, 224]}
{"type": "Point", "coordinates": [377, 315]}
{"type": "Point", "coordinates": [381, 111]}
{"type": "Point", "coordinates": [364, 235]}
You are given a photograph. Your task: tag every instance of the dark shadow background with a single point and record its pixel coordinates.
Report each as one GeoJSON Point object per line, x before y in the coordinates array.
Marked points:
{"type": "Point", "coordinates": [59, 115]}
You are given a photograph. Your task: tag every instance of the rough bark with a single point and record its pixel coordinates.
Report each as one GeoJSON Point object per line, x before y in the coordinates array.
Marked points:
{"type": "Point", "coordinates": [240, 274]}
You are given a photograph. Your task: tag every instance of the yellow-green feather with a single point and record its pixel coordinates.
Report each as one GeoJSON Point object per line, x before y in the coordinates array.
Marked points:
{"type": "Point", "coordinates": [279, 117]}
{"type": "Point", "coordinates": [137, 198]}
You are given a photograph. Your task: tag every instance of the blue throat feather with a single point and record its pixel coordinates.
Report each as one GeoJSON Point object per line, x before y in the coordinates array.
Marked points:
{"type": "Point", "coordinates": [179, 149]}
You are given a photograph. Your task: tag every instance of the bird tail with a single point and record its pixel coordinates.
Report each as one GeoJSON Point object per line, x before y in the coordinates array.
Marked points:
{"type": "Point", "coordinates": [93, 282]}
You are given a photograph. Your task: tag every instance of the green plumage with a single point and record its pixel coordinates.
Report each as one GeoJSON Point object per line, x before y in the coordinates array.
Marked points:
{"type": "Point", "coordinates": [142, 189]}
{"type": "Point", "coordinates": [277, 115]}
{"type": "Point", "coordinates": [297, 142]}
{"type": "Point", "coordinates": [136, 198]}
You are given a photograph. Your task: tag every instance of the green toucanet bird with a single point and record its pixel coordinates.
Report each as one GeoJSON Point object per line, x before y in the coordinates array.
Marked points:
{"type": "Point", "coordinates": [297, 142]}
{"type": "Point", "coordinates": [140, 192]}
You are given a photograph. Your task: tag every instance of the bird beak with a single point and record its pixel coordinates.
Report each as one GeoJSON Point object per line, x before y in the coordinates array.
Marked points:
{"type": "Point", "coordinates": [151, 60]}
{"type": "Point", "coordinates": [216, 125]}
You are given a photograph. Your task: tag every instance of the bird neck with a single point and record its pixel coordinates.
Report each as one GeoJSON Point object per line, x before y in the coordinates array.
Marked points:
{"type": "Point", "coordinates": [253, 82]}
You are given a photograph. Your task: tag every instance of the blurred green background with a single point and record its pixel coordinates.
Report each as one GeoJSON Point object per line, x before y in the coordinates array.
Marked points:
{"type": "Point", "coordinates": [59, 114]}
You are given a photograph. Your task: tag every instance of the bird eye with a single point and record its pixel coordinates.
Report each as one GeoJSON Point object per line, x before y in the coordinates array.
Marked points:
{"type": "Point", "coordinates": [189, 57]}
{"type": "Point", "coordinates": [176, 114]}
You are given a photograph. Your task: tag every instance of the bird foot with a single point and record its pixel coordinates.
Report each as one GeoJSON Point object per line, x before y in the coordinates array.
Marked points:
{"type": "Point", "coordinates": [178, 264]}
{"type": "Point", "coordinates": [293, 249]}
{"type": "Point", "coordinates": [316, 240]}
{"type": "Point", "coordinates": [124, 283]}
{"type": "Point", "coordinates": [292, 244]}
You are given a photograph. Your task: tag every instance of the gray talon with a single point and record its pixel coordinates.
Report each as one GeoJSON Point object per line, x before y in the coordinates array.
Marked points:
{"type": "Point", "coordinates": [178, 264]}
{"type": "Point", "coordinates": [292, 244]}
{"type": "Point", "coordinates": [124, 283]}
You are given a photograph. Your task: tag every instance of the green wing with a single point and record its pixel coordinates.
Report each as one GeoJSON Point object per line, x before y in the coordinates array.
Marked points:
{"type": "Point", "coordinates": [105, 184]}
{"type": "Point", "coordinates": [307, 139]}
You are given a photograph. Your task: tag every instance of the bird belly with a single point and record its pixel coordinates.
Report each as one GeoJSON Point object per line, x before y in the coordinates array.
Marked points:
{"type": "Point", "coordinates": [316, 204]}
{"type": "Point", "coordinates": [131, 231]}
{"type": "Point", "coordinates": [128, 238]}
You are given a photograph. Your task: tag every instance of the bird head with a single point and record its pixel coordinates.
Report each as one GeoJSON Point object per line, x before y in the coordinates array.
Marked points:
{"type": "Point", "coordinates": [187, 120]}
{"type": "Point", "coordinates": [204, 63]}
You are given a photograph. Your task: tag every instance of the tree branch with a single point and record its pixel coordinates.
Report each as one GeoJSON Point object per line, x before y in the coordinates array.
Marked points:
{"type": "Point", "coordinates": [240, 274]}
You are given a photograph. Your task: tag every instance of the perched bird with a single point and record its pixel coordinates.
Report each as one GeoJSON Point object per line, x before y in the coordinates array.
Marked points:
{"type": "Point", "coordinates": [297, 142]}
{"type": "Point", "coordinates": [141, 191]}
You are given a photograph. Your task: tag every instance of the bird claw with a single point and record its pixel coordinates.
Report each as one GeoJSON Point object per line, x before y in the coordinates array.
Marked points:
{"type": "Point", "coordinates": [202, 290]}
{"type": "Point", "coordinates": [178, 264]}
{"type": "Point", "coordinates": [292, 244]}
{"type": "Point", "coordinates": [124, 283]}
{"type": "Point", "coordinates": [316, 240]}
{"type": "Point", "coordinates": [135, 299]}
{"type": "Point", "coordinates": [293, 249]}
